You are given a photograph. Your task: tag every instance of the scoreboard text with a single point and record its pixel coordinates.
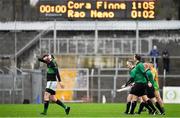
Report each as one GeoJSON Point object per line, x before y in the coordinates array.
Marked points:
{"type": "Point", "coordinates": [97, 9]}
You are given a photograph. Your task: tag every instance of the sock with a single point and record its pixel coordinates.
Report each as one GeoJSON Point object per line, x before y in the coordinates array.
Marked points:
{"type": "Point", "coordinates": [159, 107]}
{"type": "Point", "coordinates": [141, 107]}
{"type": "Point", "coordinates": [46, 104]}
{"type": "Point", "coordinates": [148, 107]}
{"type": "Point", "coordinates": [133, 105]}
{"type": "Point", "coordinates": [151, 105]}
{"type": "Point", "coordinates": [61, 104]}
{"type": "Point", "coordinates": [127, 107]}
{"type": "Point", "coordinates": [163, 109]}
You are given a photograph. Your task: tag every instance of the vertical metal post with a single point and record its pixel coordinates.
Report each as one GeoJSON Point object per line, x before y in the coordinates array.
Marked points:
{"type": "Point", "coordinates": [22, 90]}
{"type": "Point", "coordinates": [92, 87]}
{"type": "Point", "coordinates": [104, 46]}
{"type": "Point", "coordinates": [15, 63]}
{"type": "Point", "coordinates": [49, 46]}
{"type": "Point", "coordinates": [55, 36]}
{"type": "Point", "coordinates": [86, 51]}
{"type": "Point", "coordinates": [68, 41]}
{"type": "Point", "coordinates": [76, 46]}
{"type": "Point", "coordinates": [113, 47]}
{"type": "Point", "coordinates": [99, 86]}
{"type": "Point", "coordinates": [137, 37]}
{"type": "Point", "coordinates": [87, 83]}
{"type": "Point", "coordinates": [58, 45]}
{"type": "Point", "coordinates": [96, 38]}
{"type": "Point", "coordinates": [40, 45]}
{"type": "Point", "coordinates": [122, 46]}
{"type": "Point", "coordinates": [164, 78]}
{"type": "Point", "coordinates": [114, 84]}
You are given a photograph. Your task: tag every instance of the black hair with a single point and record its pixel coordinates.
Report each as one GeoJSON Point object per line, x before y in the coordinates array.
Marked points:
{"type": "Point", "coordinates": [138, 57]}
{"type": "Point", "coordinates": [45, 55]}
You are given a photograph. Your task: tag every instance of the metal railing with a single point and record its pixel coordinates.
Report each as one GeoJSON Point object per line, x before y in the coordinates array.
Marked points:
{"type": "Point", "coordinates": [84, 46]}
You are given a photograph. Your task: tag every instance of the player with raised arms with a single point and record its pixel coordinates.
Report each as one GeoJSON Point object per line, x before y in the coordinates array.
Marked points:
{"type": "Point", "coordinates": [53, 78]}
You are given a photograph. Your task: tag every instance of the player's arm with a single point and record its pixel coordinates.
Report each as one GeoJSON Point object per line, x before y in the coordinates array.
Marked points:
{"type": "Point", "coordinates": [58, 75]}
{"type": "Point", "coordinates": [131, 80]}
{"type": "Point", "coordinates": [42, 60]}
{"type": "Point", "coordinates": [146, 76]}
{"type": "Point", "coordinates": [59, 78]}
{"type": "Point", "coordinates": [151, 80]}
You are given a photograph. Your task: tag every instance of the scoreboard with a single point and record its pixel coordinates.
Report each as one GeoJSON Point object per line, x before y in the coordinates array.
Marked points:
{"type": "Point", "coordinates": [97, 9]}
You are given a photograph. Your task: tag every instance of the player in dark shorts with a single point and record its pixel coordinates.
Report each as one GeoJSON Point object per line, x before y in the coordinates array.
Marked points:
{"type": "Point", "coordinates": [53, 78]}
{"type": "Point", "coordinates": [139, 90]}
{"type": "Point", "coordinates": [130, 65]}
{"type": "Point", "coordinates": [150, 91]}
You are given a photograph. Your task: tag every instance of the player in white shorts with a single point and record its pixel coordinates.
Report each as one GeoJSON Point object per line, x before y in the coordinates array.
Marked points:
{"type": "Point", "coordinates": [53, 78]}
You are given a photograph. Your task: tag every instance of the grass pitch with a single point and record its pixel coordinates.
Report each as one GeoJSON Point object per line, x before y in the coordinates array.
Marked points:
{"type": "Point", "coordinates": [80, 110]}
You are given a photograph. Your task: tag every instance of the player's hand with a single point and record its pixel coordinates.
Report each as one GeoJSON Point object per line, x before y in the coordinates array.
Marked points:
{"type": "Point", "coordinates": [149, 84]}
{"type": "Point", "coordinates": [123, 86]}
{"type": "Point", "coordinates": [61, 85]}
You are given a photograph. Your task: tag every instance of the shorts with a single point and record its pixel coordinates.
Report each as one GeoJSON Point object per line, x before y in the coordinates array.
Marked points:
{"type": "Point", "coordinates": [51, 87]}
{"type": "Point", "coordinates": [139, 89]}
{"type": "Point", "coordinates": [150, 92]}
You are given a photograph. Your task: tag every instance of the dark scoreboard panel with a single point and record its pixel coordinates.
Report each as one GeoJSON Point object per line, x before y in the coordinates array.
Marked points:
{"type": "Point", "coordinates": [97, 9]}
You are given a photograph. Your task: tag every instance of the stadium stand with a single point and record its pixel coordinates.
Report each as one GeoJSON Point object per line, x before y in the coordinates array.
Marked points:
{"type": "Point", "coordinates": [101, 47]}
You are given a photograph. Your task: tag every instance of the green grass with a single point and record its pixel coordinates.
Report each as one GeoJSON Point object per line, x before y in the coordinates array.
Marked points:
{"type": "Point", "coordinates": [79, 110]}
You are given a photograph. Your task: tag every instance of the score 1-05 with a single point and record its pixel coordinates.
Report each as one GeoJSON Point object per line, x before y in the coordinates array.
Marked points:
{"type": "Point", "coordinates": [143, 5]}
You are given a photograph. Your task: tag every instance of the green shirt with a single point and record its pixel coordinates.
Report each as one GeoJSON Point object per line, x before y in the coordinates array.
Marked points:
{"type": "Point", "coordinates": [52, 67]}
{"type": "Point", "coordinates": [138, 73]}
{"type": "Point", "coordinates": [52, 70]}
{"type": "Point", "coordinates": [150, 76]}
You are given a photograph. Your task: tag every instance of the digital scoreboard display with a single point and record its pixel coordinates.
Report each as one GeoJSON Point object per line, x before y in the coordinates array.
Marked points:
{"type": "Point", "coordinates": [97, 9]}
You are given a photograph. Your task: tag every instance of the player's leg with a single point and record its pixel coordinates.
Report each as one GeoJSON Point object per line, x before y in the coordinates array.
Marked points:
{"type": "Point", "coordinates": [136, 91]}
{"type": "Point", "coordinates": [54, 99]}
{"type": "Point", "coordinates": [133, 104]}
{"type": "Point", "coordinates": [159, 102]}
{"type": "Point", "coordinates": [151, 96]}
{"type": "Point", "coordinates": [49, 91]}
{"type": "Point", "coordinates": [46, 102]}
{"type": "Point", "coordinates": [158, 106]}
{"type": "Point", "coordinates": [158, 97]}
{"type": "Point", "coordinates": [149, 104]}
{"type": "Point", "coordinates": [141, 106]}
{"type": "Point", "coordinates": [129, 98]}
{"type": "Point", "coordinates": [60, 103]}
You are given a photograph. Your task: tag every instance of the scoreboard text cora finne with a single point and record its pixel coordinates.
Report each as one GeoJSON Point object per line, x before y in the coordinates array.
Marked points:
{"type": "Point", "coordinates": [97, 9]}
